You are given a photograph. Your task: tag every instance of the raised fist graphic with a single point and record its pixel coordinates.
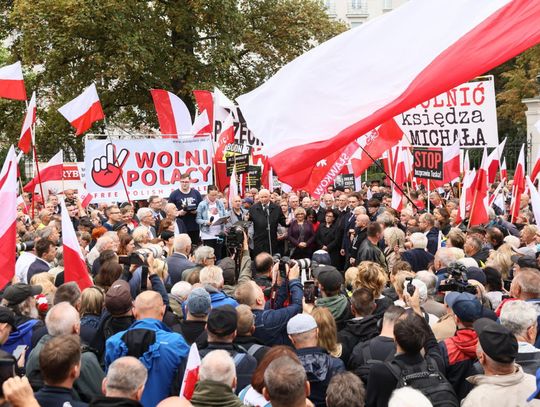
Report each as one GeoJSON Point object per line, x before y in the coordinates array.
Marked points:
{"type": "Point", "coordinates": [107, 169]}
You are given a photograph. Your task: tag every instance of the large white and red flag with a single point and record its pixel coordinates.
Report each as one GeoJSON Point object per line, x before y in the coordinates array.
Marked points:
{"type": "Point", "coordinates": [205, 103]}
{"type": "Point", "coordinates": [300, 117]}
{"type": "Point", "coordinates": [504, 171]}
{"type": "Point", "coordinates": [200, 124]}
{"type": "Point", "coordinates": [494, 161]}
{"type": "Point", "coordinates": [226, 136]}
{"type": "Point", "coordinates": [451, 165]}
{"type": "Point", "coordinates": [535, 200]}
{"type": "Point", "coordinates": [480, 197]}
{"type": "Point", "coordinates": [12, 82]}
{"type": "Point", "coordinates": [465, 199]}
{"type": "Point", "coordinates": [8, 220]}
{"type": "Point", "coordinates": [74, 265]}
{"type": "Point", "coordinates": [191, 374]}
{"type": "Point", "coordinates": [536, 169]}
{"type": "Point", "coordinates": [53, 171]}
{"type": "Point", "coordinates": [27, 132]}
{"type": "Point", "coordinates": [518, 186]}
{"type": "Point", "coordinates": [84, 110]}
{"type": "Point", "coordinates": [233, 187]}
{"type": "Point", "coordinates": [173, 114]}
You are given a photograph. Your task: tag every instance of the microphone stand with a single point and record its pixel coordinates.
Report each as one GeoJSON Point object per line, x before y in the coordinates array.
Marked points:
{"type": "Point", "coordinates": [268, 228]}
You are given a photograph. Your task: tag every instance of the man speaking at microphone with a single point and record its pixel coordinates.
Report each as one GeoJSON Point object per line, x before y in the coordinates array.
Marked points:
{"type": "Point", "coordinates": [265, 216]}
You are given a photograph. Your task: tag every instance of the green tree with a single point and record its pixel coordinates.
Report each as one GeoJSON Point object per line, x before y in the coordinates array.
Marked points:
{"type": "Point", "coordinates": [131, 46]}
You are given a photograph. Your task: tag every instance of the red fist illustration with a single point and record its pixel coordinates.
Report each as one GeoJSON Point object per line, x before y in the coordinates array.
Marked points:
{"type": "Point", "coordinates": [107, 169]}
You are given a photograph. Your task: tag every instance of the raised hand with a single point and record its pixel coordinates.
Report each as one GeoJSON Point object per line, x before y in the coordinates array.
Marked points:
{"type": "Point", "coordinates": [107, 169]}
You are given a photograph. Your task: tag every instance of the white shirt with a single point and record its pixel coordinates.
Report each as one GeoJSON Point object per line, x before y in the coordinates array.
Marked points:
{"type": "Point", "coordinates": [22, 265]}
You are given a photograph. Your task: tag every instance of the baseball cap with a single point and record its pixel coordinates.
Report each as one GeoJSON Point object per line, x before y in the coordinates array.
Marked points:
{"type": "Point", "coordinates": [301, 323]}
{"type": "Point", "coordinates": [118, 299]}
{"type": "Point", "coordinates": [329, 278]}
{"type": "Point", "coordinates": [248, 200]}
{"type": "Point", "coordinates": [476, 273]}
{"type": "Point", "coordinates": [525, 261]}
{"type": "Point", "coordinates": [7, 316]}
{"type": "Point", "coordinates": [17, 293]}
{"type": "Point", "coordinates": [199, 302]}
{"type": "Point", "coordinates": [321, 257]}
{"type": "Point", "coordinates": [222, 320]}
{"type": "Point", "coordinates": [497, 341]}
{"type": "Point", "coordinates": [466, 307]}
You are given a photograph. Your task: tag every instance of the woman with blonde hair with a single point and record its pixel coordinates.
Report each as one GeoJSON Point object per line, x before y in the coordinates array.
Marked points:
{"type": "Point", "coordinates": [92, 300]}
{"type": "Point", "coordinates": [501, 259]}
{"type": "Point", "coordinates": [327, 338]}
{"type": "Point", "coordinates": [301, 235]}
{"type": "Point", "coordinates": [394, 239]}
{"type": "Point", "coordinates": [46, 281]}
{"type": "Point", "coordinates": [372, 276]}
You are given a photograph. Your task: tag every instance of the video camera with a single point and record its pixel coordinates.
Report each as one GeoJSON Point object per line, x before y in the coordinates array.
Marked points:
{"type": "Point", "coordinates": [139, 257]}
{"type": "Point", "coordinates": [457, 280]}
{"type": "Point", "coordinates": [25, 246]}
{"type": "Point", "coordinates": [233, 236]}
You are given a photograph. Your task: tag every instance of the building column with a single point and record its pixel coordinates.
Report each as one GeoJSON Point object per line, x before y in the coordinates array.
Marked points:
{"type": "Point", "coordinates": [533, 133]}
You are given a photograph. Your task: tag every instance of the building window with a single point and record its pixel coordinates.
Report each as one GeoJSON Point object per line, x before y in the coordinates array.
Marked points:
{"type": "Point", "coordinates": [355, 24]}
{"type": "Point", "coordinates": [357, 7]}
{"type": "Point", "coordinates": [387, 4]}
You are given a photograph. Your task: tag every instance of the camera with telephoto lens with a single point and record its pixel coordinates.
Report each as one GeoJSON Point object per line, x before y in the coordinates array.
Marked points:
{"type": "Point", "coordinates": [25, 246]}
{"type": "Point", "coordinates": [139, 257]}
{"type": "Point", "coordinates": [233, 236]}
{"type": "Point", "coordinates": [457, 280]}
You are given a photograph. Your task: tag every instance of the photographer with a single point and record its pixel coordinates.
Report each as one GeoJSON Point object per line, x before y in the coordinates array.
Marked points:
{"type": "Point", "coordinates": [142, 279]}
{"type": "Point", "coordinates": [229, 265]}
{"type": "Point", "coordinates": [271, 323]}
{"type": "Point", "coordinates": [208, 211]}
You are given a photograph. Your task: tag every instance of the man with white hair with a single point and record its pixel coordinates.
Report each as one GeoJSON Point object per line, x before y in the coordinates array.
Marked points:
{"type": "Point", "coordinates": [265, 216]}
{"type": "Point", "coordinates": [443, 258]}
{"type": "Point", "coordinates": [204, 256]}
{"type": "Point", "coordinates": [520, 318]}
{"type": "Point", "coordinates": [146, 218]}
{"type": "Point", "coordinates": [105, 242]}
{"type": "Point", "coordinates": [179, 261]}
{"type": "Point", "coordinates": [217, 381]}
{"type": "Point", "coordinates": [171, 213]}
{"type": "Point", "coordinates": [124, 384]}
{"type": "Point", "coordinates": [418, 257]}
{"type": "Point", "coordinates": [431, 306]}
{"type": "Point", "coordinates": [63, 319]}
{"type": "Point", "coordinates": [212, 279]}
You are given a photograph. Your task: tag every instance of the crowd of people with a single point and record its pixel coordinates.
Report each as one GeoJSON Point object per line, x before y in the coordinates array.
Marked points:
{"type": "Point", "coordinates": [291, 301]}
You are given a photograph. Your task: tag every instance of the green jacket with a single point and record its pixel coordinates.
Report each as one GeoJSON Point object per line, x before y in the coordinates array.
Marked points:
{"type": "Point", "coordinates": [209, 393]}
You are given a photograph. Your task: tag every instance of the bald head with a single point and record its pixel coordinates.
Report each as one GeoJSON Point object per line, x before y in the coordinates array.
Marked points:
{"type": "Point", "coordinates": [63, 319]}
{"type": "Point", "coordinates": [126, 378]}
{"type": "Point", "coordinates": [148, 304]}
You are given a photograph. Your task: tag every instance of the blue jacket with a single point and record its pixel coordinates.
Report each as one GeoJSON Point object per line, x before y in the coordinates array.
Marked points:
{"type": "Point", "coordinates": [271, 324]}
{"type": "Point", "coordinates": [162, 358]}
{"type": "Point", "coordinates": [219, 298]}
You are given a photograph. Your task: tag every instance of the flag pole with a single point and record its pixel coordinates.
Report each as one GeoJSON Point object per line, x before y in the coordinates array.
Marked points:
{"type": "Point", "coordinates": [38, 175]}
{"type": "Point", "coordinates": [389, 177]}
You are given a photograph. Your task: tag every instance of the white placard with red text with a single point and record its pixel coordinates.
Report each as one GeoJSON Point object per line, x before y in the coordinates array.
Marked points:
{"type": "Point", "coordinates": [149, 166]}
{"type": "Point", "coordinates": [467, 111]}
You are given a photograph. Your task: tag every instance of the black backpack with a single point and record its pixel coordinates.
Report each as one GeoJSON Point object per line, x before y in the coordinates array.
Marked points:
{"type": "Point", "coordinates": [367, 356]}
{"type": "Point", "coordinates": [426, 378]}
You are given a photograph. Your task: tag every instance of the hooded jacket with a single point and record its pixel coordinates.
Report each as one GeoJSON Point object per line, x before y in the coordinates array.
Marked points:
{"type": "Point", "coordinates": [209, 393]}
{"type": "Point", "coordinates": [339, 307]}
{"type": "Point", "coordinates": [320, 367]}
{"type": "Point", "coordinates": [459, 355]}
{"type": "Point", "coordinates": [356, 331]}
{"type": "Point", "coordinates": [502, 390]}
{"type": "Point", "coordinates": [219, 298]}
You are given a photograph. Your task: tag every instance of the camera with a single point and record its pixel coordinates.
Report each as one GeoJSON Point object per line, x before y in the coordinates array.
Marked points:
{"type": "Point", "coordinates": [410, 287]}
{"type": "Point", "coordinates": [311, 291]}
{"type": "Point", "coordinates": [139, 257]}
{"type": "Point", "coordinates": [457, 280]}
{"type": "Point", "coordinates": [25, 246]}
{"type": "Point", "coordinates": [234, 235]}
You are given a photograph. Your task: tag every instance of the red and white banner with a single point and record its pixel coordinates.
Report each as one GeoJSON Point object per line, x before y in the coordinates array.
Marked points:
{"type": "Point", "coordinates": [12, 82]}
{"type": "Point", "coordinates": [480, 198]}
{"type": "Point", "coordinates": [26, 141]}
{"type": "Point", "coordinates": [74, 265]}
{"type": "Point", "coordinates": [535, 200]}
{"type": "Point", "coordinates": [148, 166]}
{"type": "Point", "coordinates": [441, 44]}
{"type": "Point", "coordinates": [84, 110]}
{"type": "Point", "coordinates": [50, 173]}
{"type": "Point", "coordinates": [536, 169]}
{"type": "Point", "coordinates": [494, 161]}
{"type": "Point", "coordinates": [173, 115]}
{"type": "Point", "coordinates": [518, 186]}
{"type": "Point", "coordinates": [8, 224]}
{"type": "Point", "coordinates": [191, 374]}
{"type": "Point", "coordinates": [205, 103]}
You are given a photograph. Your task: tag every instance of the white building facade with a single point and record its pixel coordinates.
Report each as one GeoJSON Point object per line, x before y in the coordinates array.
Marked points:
{"type": "Point", "coordinates": [356, 12]}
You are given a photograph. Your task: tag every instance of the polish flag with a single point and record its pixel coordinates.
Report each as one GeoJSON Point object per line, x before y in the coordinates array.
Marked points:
{"type": "Point", "coordinates": [400, 177]}
{"type": "Point", "coordinates": [519, 185]}
{"type": "Point", "coordinates": [480, 199]}
{"type": "Point", "coordinates": [225, 137]}
{"type": "Point", "coordinates": [465, 200]}
{"type": "Point", "coordinates": [74, 265]}
{"type": "Point", "coordinates": [84, 110]}
{"type": "Point", "coordinates": [504, 171]}
{"type": "Point", "coordinates": [233, 187]}
{"type": "Point", "coordinates": [8, 220]}
{"type": "Point", "coordinates": [200, 124]}
{"type": "Point", "coordinates": [536, 169]}
{"type": "Point", "coordinates": [173, 115]}
{"type": "Point", "coordinates": [466, 163]}
{"type": "Point", "coordinates": [27, 133]}
{"type": "Point", "coordinates": [451, 167]}
{"type": "Point", "coordinates": [535, 199]}
{"type": "Point", "coordinates": [191, 374]}
{"type": "Point", "coordinates": [494, 161]}
{"type": "Point", "coordinates": [205, 103]}
{"type": "Point", "coordinates": [222, 105]}
{"type": "Point", "coordinates": [12, 82]}
{"type": "Point", "coordinates": [300, 118]}
{"type": "Point", "coordinates": [85, 196]}
{"type": "Point", "coordinates": [52, 172]}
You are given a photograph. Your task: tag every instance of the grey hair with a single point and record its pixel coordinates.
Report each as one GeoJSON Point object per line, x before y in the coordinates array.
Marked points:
{"type": "Point", "coordinates": [142, 212]}
{"type": "Point", "coordinates": [61, 319]}
{"type": "Point", "coordinates": [212, 275]}
{"type": "Point", "coordinates": [181, 289]}
{"type": "Point", "coordinates": [284, 380]}
{"type": "Point", "coordinates": [418, 240]}
{"type": "Point", "coordinates": [202, 253]}
{"type": "Point", "coordinates": [139, 233]}
{"type": "Point", "coordinates": [446, 256]}
{"type": "Point", "coordinates": [408, 397]}
{"type": "Point", "coordinates": [429, 279]}
{"type": "Point", "coordinates": [181, 242]}
{"type": "Point", "coordinates": [218, 366]}
{"type": "Point", "coordinates": [45, 232]}
{"type": "Point", "coordinates": [102, 241]}
{"type": "Point", "coordinates": [126, 375]}
{"type": "Point", "coordinates": [518, 316]}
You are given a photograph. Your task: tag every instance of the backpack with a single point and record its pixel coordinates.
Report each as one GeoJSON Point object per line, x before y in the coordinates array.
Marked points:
{"type": "Point", "coordinates": [426, 378]}
{"type": "Point", "coordinates": [367, 357]}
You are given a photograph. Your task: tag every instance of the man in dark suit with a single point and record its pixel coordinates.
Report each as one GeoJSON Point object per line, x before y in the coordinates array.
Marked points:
{"type": "Point", "coordinates": [178, 261]}
{"type": "Point", "coordinates": [265, 216]}
{"type": "Point", "coordinates": [418, 257]}
{"type": "Point", "coordinates": [155, 203]}
{"type": "Point", "coordinates": [426, 222]}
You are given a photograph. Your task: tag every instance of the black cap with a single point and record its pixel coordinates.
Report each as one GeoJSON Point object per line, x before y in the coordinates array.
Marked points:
{"type": "Point", "coordinates": [525, 261]}
{"type": "Point", "coordinates": [222, 321]}
{"type": "Point", "coordinates": [117, 226]}
{"type": "Point", "coordinates": [17, 293]}
{"type": "Point", "coordinates": [497, 341]}
{"type": "Point", "coordinates": [7, 316]}
{"type": "Point", "coordinates": [329, 278]}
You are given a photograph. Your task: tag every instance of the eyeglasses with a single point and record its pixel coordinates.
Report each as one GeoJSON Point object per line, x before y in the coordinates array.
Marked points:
{"type": "Point", "coordinates": [211, 258]}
